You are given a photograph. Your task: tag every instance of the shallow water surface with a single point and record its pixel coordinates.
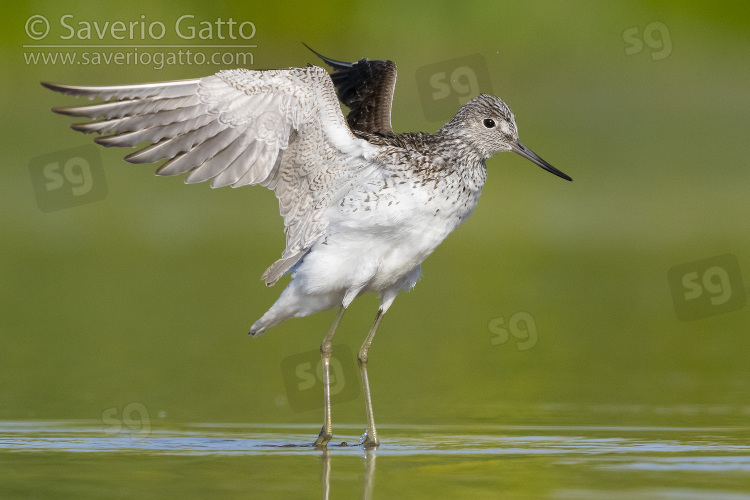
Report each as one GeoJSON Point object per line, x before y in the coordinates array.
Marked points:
{"type": "Point", "coordinates": [80, 459]}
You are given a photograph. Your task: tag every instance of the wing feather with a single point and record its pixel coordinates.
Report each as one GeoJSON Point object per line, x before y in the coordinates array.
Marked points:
{"type": "Point", "coordinates": [140, 91]}
{"type": "Point", "coordinates": [214, 166]}
{"type": "Point", "coordinates": [275, 128]}
{"type": "Point", "coordinates": [366, 87]}
{"type": "Point", "coordinates": [118, 109]}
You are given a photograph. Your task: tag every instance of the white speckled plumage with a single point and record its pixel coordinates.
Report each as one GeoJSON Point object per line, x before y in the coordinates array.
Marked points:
{"type": "Point", "coordinates": [362, 207]}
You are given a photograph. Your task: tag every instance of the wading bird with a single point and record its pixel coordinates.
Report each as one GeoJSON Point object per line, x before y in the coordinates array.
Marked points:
{"type": "Point", "coordinates": [363, 206]}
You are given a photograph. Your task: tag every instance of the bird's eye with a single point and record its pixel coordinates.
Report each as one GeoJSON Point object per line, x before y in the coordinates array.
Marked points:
{"type": "Point", "coordinates": [489, 122]}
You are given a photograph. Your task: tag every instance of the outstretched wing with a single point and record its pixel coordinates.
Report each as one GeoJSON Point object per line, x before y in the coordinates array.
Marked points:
{"type": "Point", "coordinates": [366, 88]}
{"type": "Point", "coordinates": [282, 129]}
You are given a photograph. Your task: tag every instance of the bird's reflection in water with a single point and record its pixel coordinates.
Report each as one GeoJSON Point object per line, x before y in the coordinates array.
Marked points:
{"type": "Point", "coordinates": [369, 474]}
{"type": "Point", "coordinates": [326, 479]}
{"type": "Point", "coordinates": [368, 482]}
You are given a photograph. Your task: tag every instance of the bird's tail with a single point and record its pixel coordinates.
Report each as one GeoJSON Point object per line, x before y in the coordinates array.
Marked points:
{"type": "Point", "coordinates": [294, 303]}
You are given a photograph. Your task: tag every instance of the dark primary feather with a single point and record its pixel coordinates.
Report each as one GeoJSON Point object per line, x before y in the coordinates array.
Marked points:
{"type": "Point", "coordinates": [366, 88]}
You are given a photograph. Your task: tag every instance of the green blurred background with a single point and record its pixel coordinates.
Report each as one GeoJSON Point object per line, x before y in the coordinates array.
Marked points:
{"type": "Point", "coordinates": [146, 295]}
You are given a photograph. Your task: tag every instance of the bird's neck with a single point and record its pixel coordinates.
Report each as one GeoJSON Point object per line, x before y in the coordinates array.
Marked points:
{"type": "Point", "coordinates": [454, 157]}
{"type": "Point", "coordinates": [453, 144]}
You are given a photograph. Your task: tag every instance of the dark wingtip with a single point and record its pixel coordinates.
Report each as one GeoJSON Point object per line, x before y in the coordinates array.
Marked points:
{"type": "Point", "coordinates": [78, 127]}
{"type": "Point", "coordinates": [105, 140]}
{"type": "Point", "coordinates": [331, 62]}
{"type": "Point", "coordinates": [314, 51]}
{"type": "Point", "coordinates": [310, 48]}
{"type": "Point", "coordinates": [56, 87]}
{"type": "Point", "coordinates": [62, 89]}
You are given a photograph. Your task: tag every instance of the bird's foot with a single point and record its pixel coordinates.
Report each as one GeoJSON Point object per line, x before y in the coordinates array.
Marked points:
{"type": "Point", "coordinates": [323, 438]}
{"type": "Point", "coordinates": [368, 442]}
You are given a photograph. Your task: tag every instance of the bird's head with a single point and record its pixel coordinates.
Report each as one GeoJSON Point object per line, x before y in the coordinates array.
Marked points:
{"type": "Point", "coordinates": [487, 124]}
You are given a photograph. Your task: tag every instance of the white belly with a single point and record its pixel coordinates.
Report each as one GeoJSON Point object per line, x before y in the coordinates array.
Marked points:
{"type": "Point", "coordinates": [377, 237]}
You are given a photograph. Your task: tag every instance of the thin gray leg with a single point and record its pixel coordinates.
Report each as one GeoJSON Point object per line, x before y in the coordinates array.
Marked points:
{"type": "Point", "coordinates": [326, 433]}
{"type": "Point", "coordinates": [370, 438]}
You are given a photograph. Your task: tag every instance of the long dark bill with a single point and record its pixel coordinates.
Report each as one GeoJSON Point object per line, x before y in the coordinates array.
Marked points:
{"type": "Point", "coordinates": [522, 150]}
